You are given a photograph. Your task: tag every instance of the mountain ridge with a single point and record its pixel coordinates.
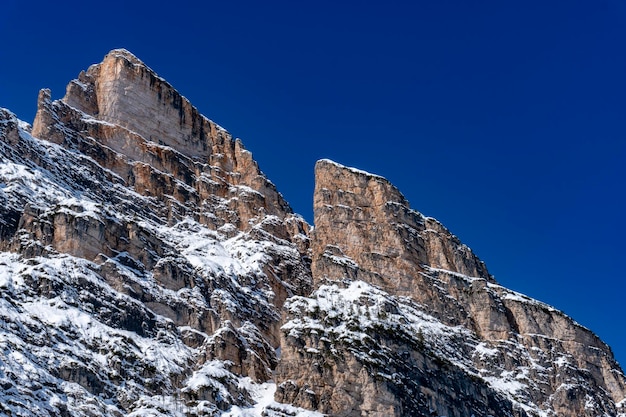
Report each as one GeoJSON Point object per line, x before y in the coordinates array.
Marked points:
{"type": "Point", "coordinates": [192, 284]}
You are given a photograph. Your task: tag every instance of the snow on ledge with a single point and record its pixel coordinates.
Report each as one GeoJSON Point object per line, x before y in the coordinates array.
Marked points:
{"type": "Point", "coordinates": [353, 170]}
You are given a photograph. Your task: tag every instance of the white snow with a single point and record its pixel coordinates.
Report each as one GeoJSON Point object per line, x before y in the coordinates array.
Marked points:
{"type": "Point", "coordinates": [485, 351]}
{"type": "Point", "coordinates": [455, 274]}
{"type": "Point", "coordinates": [353, 170]}
{"type": "Point", "coordinates": [505, 384]}
{"type": "Point", "coordinates": [262, 394]}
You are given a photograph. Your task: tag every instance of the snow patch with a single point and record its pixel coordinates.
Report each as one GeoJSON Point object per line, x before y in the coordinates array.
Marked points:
{"type": "Point", "coordinates": [353, 170]}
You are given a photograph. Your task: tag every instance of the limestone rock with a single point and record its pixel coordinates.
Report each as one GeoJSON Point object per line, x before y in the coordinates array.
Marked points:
{"type": "Point", "coordinates": [156, 234]}
{"type": "Point", "coordinates": [131, 121]}
{"type": "Point", "coordinates": [148, 267]}
{"type": "Point", "coordinates": [439, 335]}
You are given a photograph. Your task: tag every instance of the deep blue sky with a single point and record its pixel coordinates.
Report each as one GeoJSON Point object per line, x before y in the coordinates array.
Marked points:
{"type": "Point", "coordinates": [506, 120]}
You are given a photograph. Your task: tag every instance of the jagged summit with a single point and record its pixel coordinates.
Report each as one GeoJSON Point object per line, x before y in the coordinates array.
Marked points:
{"type": "Point", "coordinates": [366, 235]}
{"type": "Point", "coordinates": [148, 267]}
{"type": "Point", "coordinates": [144, 255]}
{"type": "Point", "coordinates": [371, 222]}
{"type": "Point", "coordinates": [320, 164]}
{"type": "Point", "coordinates": [126, 54]}
{"type": "Point", "coordinates": [143, 126]}
{"type": "Point", "coordinates": [123, 91]}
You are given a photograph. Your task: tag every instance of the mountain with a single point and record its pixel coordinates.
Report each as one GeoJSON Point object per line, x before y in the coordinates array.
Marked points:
{"type": "Point", "coordinates": [149, 268]}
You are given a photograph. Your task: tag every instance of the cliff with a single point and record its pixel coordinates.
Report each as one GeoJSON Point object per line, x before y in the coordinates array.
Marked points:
{"type": "Point", "coordinates": [149, 267]}
{"type": "Point", "coordinates": [406, 320]}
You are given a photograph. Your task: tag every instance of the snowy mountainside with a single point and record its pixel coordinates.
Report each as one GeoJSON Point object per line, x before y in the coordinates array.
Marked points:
{"type": "Point", "coordinates": [149, 268]}
{"type": "Point", "coordinates": [119, 299]}
{"type": "Point", "coordinates": [409, 355]}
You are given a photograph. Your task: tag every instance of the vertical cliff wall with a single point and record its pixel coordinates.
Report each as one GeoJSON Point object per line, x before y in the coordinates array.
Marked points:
{"type": "Point", "coordinates": [406, 320]}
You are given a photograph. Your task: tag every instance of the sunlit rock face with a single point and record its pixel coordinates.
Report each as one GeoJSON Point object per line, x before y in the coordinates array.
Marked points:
{"type": "Point", "coordinates": [148, 267]}
{"type": "Point", "coordinates": [406, 320]}
{"type": "Point", "coordinates": [146, 257]}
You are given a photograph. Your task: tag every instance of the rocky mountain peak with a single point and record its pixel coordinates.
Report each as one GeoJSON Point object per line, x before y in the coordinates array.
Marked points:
{"type": "Point", "coordinates": [364, 219]}
{"type": "Point", "coordinates": [134, 123]}
{"type": "Point", "coordinates": [160, 237]}
{"type": "Point", "coordinates": [148, 267]}
{"type": "Point", "coordinates": [123, 91]}
{"type": "Point", "coordinates": [413, 313]}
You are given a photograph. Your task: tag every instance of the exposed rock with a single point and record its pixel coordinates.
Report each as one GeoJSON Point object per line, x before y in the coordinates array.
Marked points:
{"type": "Point", "coordinates": [169, 235]}
{"type": "Point", "coordinates": [442, 337]}
{"type": "Point", "coordinates": [131, 121]}
{"type": "Point", "coordinates": [148, 267]}
{"type": "Point", "coordinates": [369, 221]}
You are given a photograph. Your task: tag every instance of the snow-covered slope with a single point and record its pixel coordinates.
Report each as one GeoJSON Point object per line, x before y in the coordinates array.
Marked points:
{"type": "Point", "coordinates": [135, 279]}
{"type": "Point", "coordinates": [148, 267]}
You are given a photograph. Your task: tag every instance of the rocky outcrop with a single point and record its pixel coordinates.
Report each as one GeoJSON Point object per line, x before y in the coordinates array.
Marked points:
{"type": "Point", "coordinates": [132, 122]}
{"type": "Point", "coordinates": [439, 336]}
{"type": "Point", "coordinates": [150, 227]}
{"type": "Point", "coordinates": [365, 229]}
{"type": "Point", "coordinates": [365, 218]}
{"type": "Point", "coordinates": [142, 134]}
{"type": "Point", "coordinates": [148, 267]}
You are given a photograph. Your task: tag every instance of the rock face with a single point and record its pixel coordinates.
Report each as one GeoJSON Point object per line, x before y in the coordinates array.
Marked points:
{"type": "Point", "coordinates": [146, 258]}
{"type": "Point", "coordinates": [148, 267]}
{"type": "Point", "coordinates": [406, 320]}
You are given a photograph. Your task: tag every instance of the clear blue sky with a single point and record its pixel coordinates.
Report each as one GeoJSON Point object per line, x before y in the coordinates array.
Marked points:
{"type": "Point", "coordinates": [506, 120]}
